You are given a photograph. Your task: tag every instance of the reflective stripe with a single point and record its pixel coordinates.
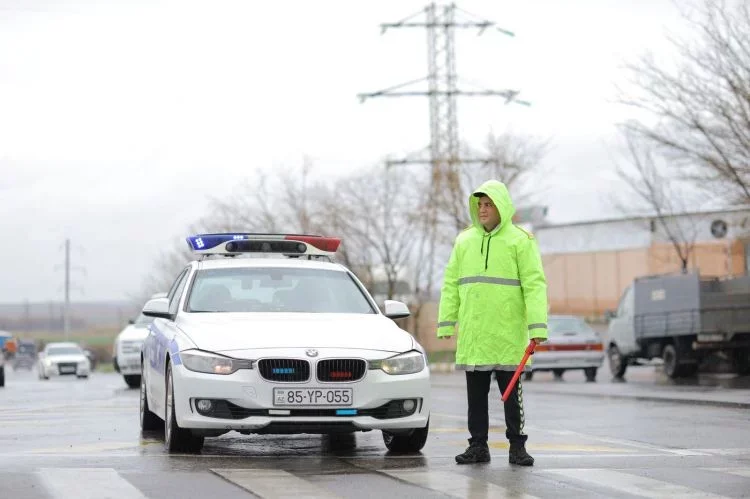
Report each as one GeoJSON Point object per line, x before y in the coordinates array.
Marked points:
{"type": "Point", "coordinates": [539, 325]}
{"type": "Point", "coordinates": [447, 323]}
{"type": "Point", "coordinates": [489, 280]}
{"type": "Point", "coordinates": [495, 367]}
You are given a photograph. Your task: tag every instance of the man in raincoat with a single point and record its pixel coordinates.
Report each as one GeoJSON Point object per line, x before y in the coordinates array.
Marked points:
{"type": "Point", "coordinates": [495, 291]}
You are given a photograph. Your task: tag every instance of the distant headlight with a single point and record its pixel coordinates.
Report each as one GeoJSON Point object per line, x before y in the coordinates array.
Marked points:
{"type": "Point", "coordinates": [406, 363]}
{"type": "Point", "coordinates": [211, 363]}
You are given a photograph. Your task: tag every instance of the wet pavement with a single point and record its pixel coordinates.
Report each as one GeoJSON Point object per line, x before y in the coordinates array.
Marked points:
{"type": "Point", "coordinates": [80, 439]}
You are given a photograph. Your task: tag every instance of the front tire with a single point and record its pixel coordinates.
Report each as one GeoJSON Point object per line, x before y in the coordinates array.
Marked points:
{"type": "Point", "coordinates": [528, 376]}
{"type": "Point", "coordinates": [410, 442]}
{"type": "Point", "coordinates": [2, 376]}
{"type": "Point", "coordinates": [590, 373]}
{"type": "Point", "coordinates": [133, 380]}
{"type": "Point", "coordinates": [177, 439]}
{"type": "Point", "coordinates": [617, 363]}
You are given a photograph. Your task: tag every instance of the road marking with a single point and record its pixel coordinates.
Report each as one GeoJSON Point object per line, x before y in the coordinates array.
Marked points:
{"type": "Point", "coordinates": [724, 452]}
{"type": "Point", "coordinates": [87, 483]}
{"type": "Point", "coordinates": [631, 484]}
{"type": "Point", "coordinates": [454, 484]}
{"type": "Point", "coordinates": [273, 484]}
{"type": "Point", "coordinates": [743, 472]}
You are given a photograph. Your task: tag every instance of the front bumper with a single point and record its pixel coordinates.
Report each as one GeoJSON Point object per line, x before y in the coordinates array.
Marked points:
{"type": "Point", "coordinates": [545, 361]}
{"type": "Point", "coordinates": [53, 370]}
{"type": "Point", "coordinates": [129, 363]}
{"type": "Point", "coordinates": [247, 389]}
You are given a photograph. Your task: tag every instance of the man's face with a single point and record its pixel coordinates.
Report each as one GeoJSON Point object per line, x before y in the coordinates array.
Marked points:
{"type": "Point", "coordinates": [489, 217]}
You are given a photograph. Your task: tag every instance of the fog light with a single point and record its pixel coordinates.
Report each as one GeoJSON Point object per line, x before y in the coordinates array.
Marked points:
{"type": "Point", "coordinates": [408, 405]}
{"type": "Point", "coordinates": [204, 405]}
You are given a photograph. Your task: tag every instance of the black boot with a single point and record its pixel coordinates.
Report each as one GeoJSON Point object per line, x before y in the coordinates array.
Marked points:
{"type": "Point", "coordinates": [475, 453]}
{"type": "Point", "coordinates": [519, 456]}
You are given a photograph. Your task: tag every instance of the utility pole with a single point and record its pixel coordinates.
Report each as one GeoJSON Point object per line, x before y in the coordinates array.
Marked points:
{"type": "Point", "coordinates": [66, 309]}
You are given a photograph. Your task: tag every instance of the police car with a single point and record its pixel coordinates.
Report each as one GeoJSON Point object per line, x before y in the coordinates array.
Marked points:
{"type": "Point", "coordinates": [265, 334]}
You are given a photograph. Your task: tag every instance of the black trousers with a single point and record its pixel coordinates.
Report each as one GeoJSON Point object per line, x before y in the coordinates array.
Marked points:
{"type": "Point", "coordinates": [477, 391]}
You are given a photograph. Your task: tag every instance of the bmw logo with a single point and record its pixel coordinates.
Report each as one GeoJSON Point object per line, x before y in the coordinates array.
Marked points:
{"type": "Point", "coordinates": [311, 352]}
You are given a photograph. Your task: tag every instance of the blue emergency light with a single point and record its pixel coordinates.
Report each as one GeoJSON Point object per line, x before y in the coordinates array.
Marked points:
{"type": "Point", "coordinates": [231, 244]}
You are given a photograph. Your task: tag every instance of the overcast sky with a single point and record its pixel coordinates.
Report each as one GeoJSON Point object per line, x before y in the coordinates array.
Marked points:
{"type": "Point", "coordinates": [119, 119]}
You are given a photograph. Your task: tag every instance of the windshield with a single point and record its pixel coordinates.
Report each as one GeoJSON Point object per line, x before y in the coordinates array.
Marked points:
{"type": "Point", "coordinates": [143, 321]}
{"type": "Point", "coordinates": [558, 326]}
{"type": "Point", "coordinates": [26, 348]}
{"type": "Point", "coordinates": [64, 351]}
{"type": "Point", "coordinates": [277, 289]}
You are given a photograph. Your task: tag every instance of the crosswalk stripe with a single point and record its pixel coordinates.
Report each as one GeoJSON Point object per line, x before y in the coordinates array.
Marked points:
{"type": "Point", "coordinates": [273, 484]}
{"type": "Point", "coordinates": [87, 483]}
{"type": "Point", "coordinates": [743, 472]}
{"type": "Point", "coordinates": [454, 484]}
{"type": "Point", "coordinates": [631, 484]}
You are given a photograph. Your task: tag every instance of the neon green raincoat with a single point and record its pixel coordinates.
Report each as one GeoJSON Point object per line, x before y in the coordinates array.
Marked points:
{"type": "Point", "coordinates": [494, 289]}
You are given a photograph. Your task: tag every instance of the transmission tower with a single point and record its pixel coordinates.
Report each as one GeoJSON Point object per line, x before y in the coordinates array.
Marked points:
{"type": "Point", "coordinates": [443, 89]}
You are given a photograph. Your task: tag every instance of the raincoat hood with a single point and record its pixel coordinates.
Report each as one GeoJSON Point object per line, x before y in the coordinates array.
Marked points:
{"type": "Point", "coordinates": [499, 195]}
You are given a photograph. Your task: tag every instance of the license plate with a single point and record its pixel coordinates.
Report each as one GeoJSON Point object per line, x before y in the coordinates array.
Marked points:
{"type": "Point", "coordinates": [312, 396]}
{"type": "Point", "coordinates": [66, 370]}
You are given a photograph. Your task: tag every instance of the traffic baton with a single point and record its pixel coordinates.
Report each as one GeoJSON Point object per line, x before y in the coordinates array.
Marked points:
{"type": "Point", "coordinates": [514, 379]}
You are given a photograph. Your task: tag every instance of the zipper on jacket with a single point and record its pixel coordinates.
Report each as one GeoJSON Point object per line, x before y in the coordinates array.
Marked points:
{"type": "Point", "coordinates": [487, 256]}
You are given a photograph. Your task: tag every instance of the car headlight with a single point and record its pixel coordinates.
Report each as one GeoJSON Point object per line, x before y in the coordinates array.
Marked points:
{"type": "Point", "coordinates": [405, 363]}
{"type": "Point", "coordinates": [211, 363]}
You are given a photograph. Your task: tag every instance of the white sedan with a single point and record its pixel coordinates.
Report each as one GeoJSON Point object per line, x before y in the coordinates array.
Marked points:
{"type": "Point", "coordinates": [283, 345]}
{"type": "Point", "coordinates": [126, 352]}
{"type": "Point", "coordinates": [63, 359]}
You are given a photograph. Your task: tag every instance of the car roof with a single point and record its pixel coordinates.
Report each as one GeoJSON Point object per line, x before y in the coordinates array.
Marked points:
{"type": "Point", "coordinates": [245, 262]}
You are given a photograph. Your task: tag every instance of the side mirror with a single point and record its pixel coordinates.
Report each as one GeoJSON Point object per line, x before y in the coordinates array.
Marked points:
{"type": "Point", "coordinates": [396, 309]}
{"type": "Point", "coordinates": [158, 307]}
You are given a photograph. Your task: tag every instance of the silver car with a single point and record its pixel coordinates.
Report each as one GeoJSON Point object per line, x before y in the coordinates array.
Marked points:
{"type": "Point", "coordinates": [572, 344]}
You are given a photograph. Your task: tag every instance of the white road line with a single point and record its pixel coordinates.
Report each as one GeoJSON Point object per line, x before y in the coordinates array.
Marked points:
{"type": "Point", "coordinates": [631, 484]}
{"type": "Point", "coordinates": [454, 484]}
{"type": "Point", "coordinates": [87, 483]}
{"type": "Point", "coordinates": [273, 484]}
{"type": "Point", "coordinates": [743, 472]}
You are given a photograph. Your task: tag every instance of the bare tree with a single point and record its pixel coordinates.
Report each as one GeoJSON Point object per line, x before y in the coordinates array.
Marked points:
{"type": "Point", "coordinates": [661, 194]}
{"type": "Point", "coordinates": [699, 109]}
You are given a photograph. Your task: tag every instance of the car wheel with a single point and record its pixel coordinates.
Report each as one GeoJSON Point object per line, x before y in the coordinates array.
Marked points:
{"type": "Point", "coordinates": [617, 363]}
{"type": "Point", "coordinates": [2, 376]}
{"type": "Point", "coordinates": [590, 373]}
{"type": "Point", "coordinates": [177, 439]}
{"type": "Point", "coordinates": [85, 376]}
{"type": "Point", "coordinates": [558, 373]}
{"type": "Point", "coordinates": [149, 420]}
{"type": "Point", "coordinates": [528, 376]}
{"type": "Point", "coordinates": [410, 442]}
{"type": "Point", "coordinates": [133, 380]}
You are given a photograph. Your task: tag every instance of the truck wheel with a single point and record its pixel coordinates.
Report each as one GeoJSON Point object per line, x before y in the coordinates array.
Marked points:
{"type": "Point", "coordinates": [671, 359]}
{"type": "Point", "coordinates": [617, 363]}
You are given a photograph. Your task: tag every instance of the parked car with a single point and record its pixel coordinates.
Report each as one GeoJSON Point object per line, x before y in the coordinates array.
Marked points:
{"type": "Point", "coordinates": [63, 359]}
{"type": "Point", "coordinates": [286, 344]}
{"type": "Point", "coordinates": [572, 344]}
{"type": "Point", "coordinates": [126, 352]}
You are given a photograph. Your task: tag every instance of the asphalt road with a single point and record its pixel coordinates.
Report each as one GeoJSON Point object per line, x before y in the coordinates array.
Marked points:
{"type": "Point", "coordinates": [80, 439]}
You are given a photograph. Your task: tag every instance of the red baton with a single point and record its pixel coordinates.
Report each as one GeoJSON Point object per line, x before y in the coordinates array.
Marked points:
{"type": "Point", "coordinates": [514, 379]}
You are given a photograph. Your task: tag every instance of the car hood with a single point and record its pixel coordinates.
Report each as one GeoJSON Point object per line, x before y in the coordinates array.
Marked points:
{"type": "Point", "coordinates": [132, 333]}
{"type": "Point", "coordinates": [229, 331]}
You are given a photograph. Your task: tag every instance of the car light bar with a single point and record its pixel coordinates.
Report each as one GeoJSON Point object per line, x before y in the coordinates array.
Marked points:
{"type": "Point", "coordinates": [237, 243]}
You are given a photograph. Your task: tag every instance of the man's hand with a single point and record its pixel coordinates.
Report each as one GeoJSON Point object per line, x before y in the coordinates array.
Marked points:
{"type": "Point", "coordinates": [538, 340]}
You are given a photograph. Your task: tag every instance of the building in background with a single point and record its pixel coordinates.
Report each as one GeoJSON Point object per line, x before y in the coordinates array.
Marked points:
{"type": "Point", "coordinates": [589, 264]}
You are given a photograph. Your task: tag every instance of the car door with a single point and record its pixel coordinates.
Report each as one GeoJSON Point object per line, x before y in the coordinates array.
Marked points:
{"type": "Point", "coordinates": [622, 328]}
{"type": "Point", "coordinates": [156, 346]}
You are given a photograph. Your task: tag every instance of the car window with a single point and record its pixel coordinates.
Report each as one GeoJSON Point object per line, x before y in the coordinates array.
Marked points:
{"type": "Point", "coordinates": [175, 284]}
{"type": "Point", "coordinates": [277, 289]}
{"type": "Point", "coordinates": [64, 351]}
{"type": "Point", "coordinates": [174, 300]}
{"type": "Point", "coordinates": [625, 307]}
{"type": "Point", "coordinates": [559, 326]}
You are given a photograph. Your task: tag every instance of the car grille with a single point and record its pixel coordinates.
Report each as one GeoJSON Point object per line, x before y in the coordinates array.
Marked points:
{"type": "Point", "coordinates": [337, 370]}
{"type": "Point", "coordinates": [224, 409]}
{"type": "Point", "coordinates": [67, 367]}
{"type": "Point", "coordinates": [287, 370]}
{"type": "Point", "coordinates": [131, 347]}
